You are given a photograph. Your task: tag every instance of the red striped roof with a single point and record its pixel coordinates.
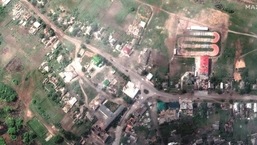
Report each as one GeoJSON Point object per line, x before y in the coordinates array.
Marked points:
{"type": "Point", "coordinates": [204, 65]}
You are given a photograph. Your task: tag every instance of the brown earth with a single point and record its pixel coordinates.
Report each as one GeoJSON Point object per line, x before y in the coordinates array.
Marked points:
{"type": "Point", "coordinates": [158, 60]}
{"type": "Point", "coordinates": [212, 17]}
{"type": "Point", "coordinates": [174, 67]}
{"type": "Point", "coordinates": [15, 65]}
{"type": "Point", "coordinates": [25, 95]}
{"type": "Point", "coordinates": [237, 75]}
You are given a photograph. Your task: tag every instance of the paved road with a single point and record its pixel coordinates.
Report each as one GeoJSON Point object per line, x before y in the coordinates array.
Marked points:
{"type": "Point", "coordinates": [133, 75]}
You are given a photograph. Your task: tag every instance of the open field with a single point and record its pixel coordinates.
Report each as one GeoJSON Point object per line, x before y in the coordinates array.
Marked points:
{"type": "Point", "coordinates": [224, 69]}
{"type": "Point", "coordinates": [190, 9]}
{"type": "Point", "coordinates": [128, 6]}
{"type": "Point", "coordinates": [85, 10]}
{"type": "Point", "coordinates": [18, 44]}
{"type": "Point", "coordinates": [43, 106]}
{"type": "Point", "coordinates": [156, 34]}
{"type": "Point", "coordinates": [249, 54]}
{"type": "Point", "coordinates": [179, 66]}
{"type": "Point", "coordinates": [153, 2]}
{"type": "Point", "coordinates": [37, 127]}
{"type": "Point", "coordinates": [91, 92]}
{"type": "Point", "coordinates": [48, 110]}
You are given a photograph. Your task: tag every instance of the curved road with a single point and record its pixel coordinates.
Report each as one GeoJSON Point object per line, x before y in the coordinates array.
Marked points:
{"type": "Point", "coordinates": [115, 62]}
{"type": "Point", "coordinates": [133, 75]}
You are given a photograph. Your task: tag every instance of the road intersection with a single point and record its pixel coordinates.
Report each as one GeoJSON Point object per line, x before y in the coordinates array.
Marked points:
{"type": "Point", "coordinates": [153, 92]}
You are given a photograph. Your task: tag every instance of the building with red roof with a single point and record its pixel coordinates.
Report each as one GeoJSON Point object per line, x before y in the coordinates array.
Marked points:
{"type": "Point", "coordinates": [127, 49]}
{"type": "Point", "coordinates": [204, 65]}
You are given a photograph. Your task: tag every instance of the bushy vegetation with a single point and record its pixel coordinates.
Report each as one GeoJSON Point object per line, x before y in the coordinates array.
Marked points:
{"type": "Point", "coordinates": [7, 93]}
{"type": "Point", "coordinates": [58, 139]}
{"type": "Point", "coordinates": [2, 142]}
{"type": "Point", "coordinates": [2, 13]}
{"type": "Point", "coordinates": [28, 137]}
{"type": "Point", "coordinates": [14, 126]}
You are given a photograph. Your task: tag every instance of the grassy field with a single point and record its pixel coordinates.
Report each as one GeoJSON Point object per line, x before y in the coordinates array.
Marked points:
{"type": "Point", "coordinates": [85, 10]}
{"type": "Point", "coordinates": [249, 54]}
{"type": "Point", "coordinates": [153, 2]}
{"type": "Point", "coordinates": [37, 127]}
{"type": "Point", "coordinates": [156, 34]}
{"type": "Point", "coordinates": [128, 6]}
{"type": "Point", "coordinates": [91, 92]}
{"type": "Point", "coordinates": [225, 63]}
{"type": "Point", "coordinates": [190, 9]}
{"type": "Point", "coordinates": [187, 6]}
{"type": "Point", "coordinates": [44, 107]}
{"type": "Point", "coordinates": [48, 110]}
{"type": "Point", "coordinates": [223, 67]}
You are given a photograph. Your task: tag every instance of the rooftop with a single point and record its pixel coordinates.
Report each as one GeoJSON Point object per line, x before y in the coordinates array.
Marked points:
{"type": "Point", "coordinates": [204, 65]}
{"type": "Point", "coordinates": [97, 60]}
{"type": "Point", "coordinates": [109, 116]}
{"type": "Point", "coordinates": [127, 49]}
{"type": "Point", "coordinates": [130, 90]}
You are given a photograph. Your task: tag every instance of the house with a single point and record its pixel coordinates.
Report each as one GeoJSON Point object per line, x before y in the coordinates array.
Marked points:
{"type": "Point", "coordinates": [167, 116]}
{"type": "Point", "coordinates": [97, 60]}
{"type": "Point", "coordinates": [107, 116]}
{"type": "Point", "coordinates": [69, 104]}
{"type": "Point", "coordinates": [130, 90]}
{"type": "Point", "coordinates": [127, 49]}
{"type": "Point", "coordinates": [204, 66]}
{"type": "Point", "coordinates": [34, 28]}
{"type": "Point", "coordinates": [142, 24]}
{"type": "Point", "coordinates": [149, 76]}
{"type": "Point", "coordinates": [88, 31]}
{"type": "Point", "coordinates": [5, 2]}
{"type": "Point", "coordinates": [140, 111]}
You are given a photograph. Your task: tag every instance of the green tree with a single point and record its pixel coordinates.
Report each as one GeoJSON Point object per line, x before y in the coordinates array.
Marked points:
{"type": "Point", "coordinates": [10, 122]}
{"type": "Point", "coordinates": [7, 109]}
{"type": "Point", "coordinates": [7, 93]}
{"type": "Point", "coordinates": [2, 142]}
{"type": "Point", "coordinates": [28, 137]}
{"type": "Point", "coordinates": [58, 139]}
{"type": "Point", "coordinates": [2, 13]}
{"type": "Point", "coordinates": [12, 131]}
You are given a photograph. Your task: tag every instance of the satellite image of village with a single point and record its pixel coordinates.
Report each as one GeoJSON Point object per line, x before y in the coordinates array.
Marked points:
{"type": "Point", "coordinates": [128, 72]}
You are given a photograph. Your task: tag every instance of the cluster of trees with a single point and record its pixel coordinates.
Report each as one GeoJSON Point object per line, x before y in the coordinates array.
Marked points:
{"type": "Point", "coordinates": [2, 142]}
{"type": "Point", "coordinates": [69, 135]}
{"type": "Point", "coordinates": [58, 139]}
{"type": "Point", "coordinates": [54, 96]}
{"type": "Point", "coordinates": [185, 127]}
{"type": "Point", "coordinates": [2, 13]}
{"type": "Point", "coordinates": [28, 137]}
{"type": "Point", "coordinates": [127, 99]}
{"type": "Point", "coordinates": [221, 7]}
{"type": "Point", "coordinates": [14, 126]}
{"type": "Point", "coordinates": [7, 93]}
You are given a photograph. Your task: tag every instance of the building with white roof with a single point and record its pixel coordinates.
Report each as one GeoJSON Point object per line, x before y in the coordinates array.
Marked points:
{"type": "Point", "coordinates": [255, 107]}
{"type": "Point", "coordinates": [149, 76]}
{"type": "Point", "coordinates": [130, 90]}
{"type": "Point", "coordinates": [34, 28]}
{"type": "Point", "coordinates": [69, 104]}
{"type": "Point", "coordinates": [249, 105]}
{"type": "Point", "coordinates": [5, 2]}
{"type": "Point", "coordinates": [142, 24]}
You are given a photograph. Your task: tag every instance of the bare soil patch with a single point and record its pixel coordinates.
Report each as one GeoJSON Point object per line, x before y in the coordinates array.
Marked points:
{"type": "Point", "coordinates": [25, 95]}
{"type": "Point", "coordinates": [212, 17]}
{"type": "Point", "coordinates": [157, 59]}
{"type": "Point", "coordinates": [174, 67]}
{"type": "Point", "coordinates": [15, 65]}
{"type": "Point", "coordinates": [109, 17]}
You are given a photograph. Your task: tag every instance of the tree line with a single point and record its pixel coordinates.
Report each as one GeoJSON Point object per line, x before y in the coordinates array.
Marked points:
{"type": "Point", "coordinates": [7, 93]}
